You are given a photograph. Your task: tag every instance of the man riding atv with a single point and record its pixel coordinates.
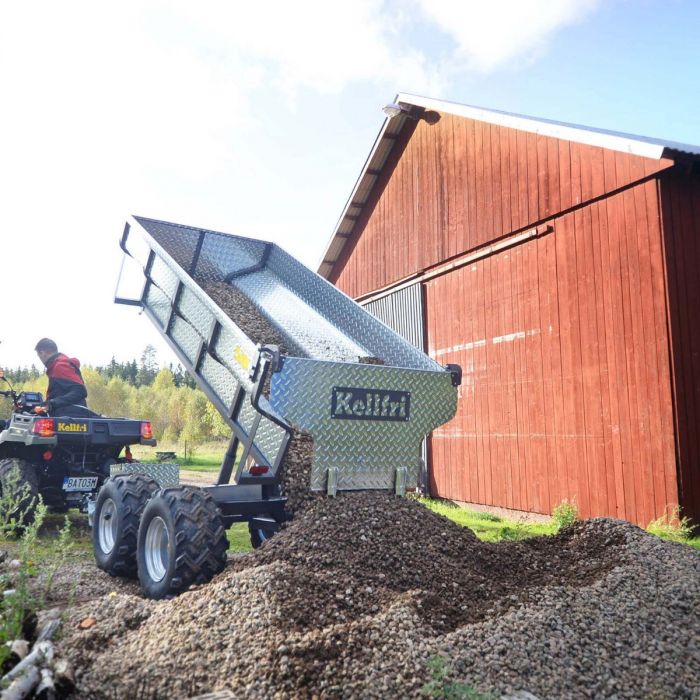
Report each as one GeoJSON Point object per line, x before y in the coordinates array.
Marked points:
{"type": "Point", "coordinates": [66, 393]}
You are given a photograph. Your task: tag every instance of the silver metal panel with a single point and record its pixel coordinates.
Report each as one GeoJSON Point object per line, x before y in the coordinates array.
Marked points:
{"type": "Point", "coordinates": [366, 453]}
{"type": "Point", "coordinates": [159, 304]}
{"type": "Point", "coordinates": [167, 475]}
{"type": "Point", "coordinates": [343, 313]}
{"type": "Point", "coordinates": [186, 337]}
{"type": "Point", "coordinates": [315, 320]}
{"type": "Point", "coordinates": [302, 326]}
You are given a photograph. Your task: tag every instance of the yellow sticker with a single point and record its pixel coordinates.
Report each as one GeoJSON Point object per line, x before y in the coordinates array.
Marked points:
{"type": "Point", "coordinates": [240, 357]}
{"type": "Point", "coordinates": [72, 427]}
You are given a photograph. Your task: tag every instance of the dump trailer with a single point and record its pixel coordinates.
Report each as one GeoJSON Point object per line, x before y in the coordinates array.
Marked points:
{"type": "Point", "coordinates": [283, 355]}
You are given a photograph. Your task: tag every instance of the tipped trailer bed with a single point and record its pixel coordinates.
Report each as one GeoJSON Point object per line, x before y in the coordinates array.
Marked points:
{"type": "Point", "coordinates": [279, 351]}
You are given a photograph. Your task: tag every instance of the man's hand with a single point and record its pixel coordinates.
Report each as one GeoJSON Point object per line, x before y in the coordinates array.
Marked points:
{"type": "Point", "coordinates": [39, 409]}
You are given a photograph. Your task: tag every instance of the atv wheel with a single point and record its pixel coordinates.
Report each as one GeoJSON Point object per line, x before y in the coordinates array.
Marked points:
{"type": "Point", "coordinates": [115, 525]}
{"type": "Point", "coordinates": [19, 492]}
{"type": "Point", "coordinates": [182, 541]}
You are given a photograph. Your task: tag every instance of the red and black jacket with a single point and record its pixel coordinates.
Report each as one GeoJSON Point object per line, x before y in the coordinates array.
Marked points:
{"type": "Point", "coordinates": [66, 385]}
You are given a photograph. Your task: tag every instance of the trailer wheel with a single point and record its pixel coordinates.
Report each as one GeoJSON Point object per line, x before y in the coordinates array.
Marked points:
{"type": "Point", "coordinates": [259, 535]}
{"type": "Point", "coordinates": [115, 526]}
{"type": "Point", "coordinates": [182, 541]}
{"type": "Point", "coordinates": [19, 492]}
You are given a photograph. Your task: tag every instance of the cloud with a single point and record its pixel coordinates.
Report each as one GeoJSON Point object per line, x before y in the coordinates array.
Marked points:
{"type": "Point", "coordinates": [489, 35]}
{"type": "Point", "coordinates": [312, 44]}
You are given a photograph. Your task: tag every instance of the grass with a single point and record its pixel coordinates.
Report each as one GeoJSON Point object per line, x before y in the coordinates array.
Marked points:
{"type": "Point", "coordinates": [487, 526]}
{"type": "Point", "coordinates": [203, 458]}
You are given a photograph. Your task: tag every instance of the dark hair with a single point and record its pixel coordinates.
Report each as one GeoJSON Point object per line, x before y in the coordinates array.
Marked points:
{"type": "Point", "coordinates": [46, 344]}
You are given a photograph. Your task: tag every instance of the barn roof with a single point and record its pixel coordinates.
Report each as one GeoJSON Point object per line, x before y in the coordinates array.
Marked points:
{"type": "Point", "coordinates": [415, 106]}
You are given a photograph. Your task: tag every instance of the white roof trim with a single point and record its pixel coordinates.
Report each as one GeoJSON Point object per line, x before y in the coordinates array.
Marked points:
{"type": "Point", "coordinates": [627, 143]}
{"type": "Point", "coordinates": [616, 141]}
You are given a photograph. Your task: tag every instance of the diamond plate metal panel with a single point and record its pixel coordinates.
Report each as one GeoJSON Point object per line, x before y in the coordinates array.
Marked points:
{"type": "Point", "coordinates": [344, 314]}
{"type": "Point", "coordinates": [164, 278]}
{"type": "Point", "coordinates": [186, 338]}
{"type": "Point", "coordinates": [318, 321]}
{"type": "Point", "coordinates": [220, 379]}
{"type": "Point", "coordinates": [365, 452]}
{"type": "Point", "coordinates": [167, 475]}
{"type": "Point", "coordinates": [158, 303]}
{"type": "Point", "coordinates": [223, 255]}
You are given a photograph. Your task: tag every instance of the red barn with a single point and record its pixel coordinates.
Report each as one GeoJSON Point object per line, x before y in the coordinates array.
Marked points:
{"type": "Point", "coordinates": [558, 265]}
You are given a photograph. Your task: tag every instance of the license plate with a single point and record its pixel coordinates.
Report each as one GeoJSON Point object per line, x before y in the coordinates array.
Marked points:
{"type": "Point", "coordinates": [79, 483]}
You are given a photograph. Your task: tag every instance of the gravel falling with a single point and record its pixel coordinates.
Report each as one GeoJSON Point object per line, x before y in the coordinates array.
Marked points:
{"type": "Point", "coordinates": [357, 594]}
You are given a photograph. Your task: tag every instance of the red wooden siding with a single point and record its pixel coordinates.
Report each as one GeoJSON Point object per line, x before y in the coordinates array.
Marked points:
{"type": "Point", "coordinates": [565, 351]}
{"type": "Point", "coordinates": [680, 203]}
{"type": "Point", "coordinates": [460, 183]}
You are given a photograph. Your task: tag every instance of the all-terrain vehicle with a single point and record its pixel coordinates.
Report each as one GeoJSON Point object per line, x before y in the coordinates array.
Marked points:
{"type": "Point", "coordinates": [63, 458]}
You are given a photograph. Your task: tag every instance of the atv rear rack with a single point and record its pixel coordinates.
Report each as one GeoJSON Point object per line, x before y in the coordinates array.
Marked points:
{"type": "Point", "coordinates": [367, 421]}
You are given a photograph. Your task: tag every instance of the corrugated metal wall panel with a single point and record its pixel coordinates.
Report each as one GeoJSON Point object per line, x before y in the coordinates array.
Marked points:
{"type": "Point", "coordinates": [564, 347]}
{"type": "Point", "coordinates": [402, 311]}
{"type": "Point", "coordinates": [460, 184]}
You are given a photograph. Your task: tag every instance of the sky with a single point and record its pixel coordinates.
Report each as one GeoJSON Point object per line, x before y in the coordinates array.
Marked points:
{"type": "Point", "coordinates": [256, 119]}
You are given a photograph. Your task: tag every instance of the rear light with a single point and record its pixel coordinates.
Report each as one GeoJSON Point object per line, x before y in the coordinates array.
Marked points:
{"type": "Point", "coordinates": [44, 427]}
{"type": "Point", "coordinates": [47, 455]}
{"type": "Point", "coordinates": [146, 430]}
{"type": "Point", "coordinates": [258, 470]}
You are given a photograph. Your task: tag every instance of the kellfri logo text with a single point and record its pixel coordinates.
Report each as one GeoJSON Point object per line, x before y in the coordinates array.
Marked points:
{"type": "Point", "coordinates": [355, 403]}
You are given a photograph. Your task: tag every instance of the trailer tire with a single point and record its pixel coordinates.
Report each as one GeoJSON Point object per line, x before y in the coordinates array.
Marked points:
{"type": "Point", "coordinates": [18, 474]}
{"type": "Point", "coordinates": [258, 536]}
{"type": "Point", "coordinates": [120, 503]}
{"type": "Point", "coordinates": [182, 541]}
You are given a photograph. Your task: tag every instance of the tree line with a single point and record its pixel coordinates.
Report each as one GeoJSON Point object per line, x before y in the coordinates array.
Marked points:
{"type": "Point", "coordinates": [166, 396]}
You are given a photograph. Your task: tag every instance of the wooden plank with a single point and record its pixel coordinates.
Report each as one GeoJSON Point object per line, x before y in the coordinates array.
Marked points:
{"type": "Point", "coordinates": [488, 230]}
{"type": "Point", "coordinates": [514, 181]}
{"type": "Point", "coordinates": [591, 341]}
{"type": "Point", "coordinates": [553, 165]}
{"type": "Point", "coordinates": [654, 472]}
{"type": "Point", "coordinates": [576, 263]}
{"type": "Point", "coordinates": [481, 205]}
{"type": "Point", "coordinates": [625, 212]}
{"type": "Point", "coordinates": [533, 179]}
{"type": "Point", "coordinates": [523, 179]}
{"type": "Point", "coordinates": [604, 462]}
{"type": "Point", "coordinates": [507, 199]}
{"type": "Point", "coordinates": [616, 385]}
{"type": "Point", "coordinates": [498, 228]}
{"type": "Point", "coordinates": [481, 384]}
{"type": "Point", "coordinates": [507, 348]}
{"type": "Point", "coordinates": [543, 193]}
{"type": "Point", "coordinates": [493, 490]}
{"type": "Point", "coordinates": [606, 457]}
{"type": "Point", "coordinates": [664, 361]}
{"type": "Point", "coordinates": [548, 468]}
{"type": "Point", "coordinates": [529, 381]}
{"type": "Point", "coordinates": [564, 167]}
{"type": "Point", "coordinates": [575, 171]}
{"type": "Point", "coordinates": [472, 200]}
{"type": "Point", "coordinates": [458, 204]}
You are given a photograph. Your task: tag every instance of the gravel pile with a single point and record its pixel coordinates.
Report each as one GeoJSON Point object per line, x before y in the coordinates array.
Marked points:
{"type": "Point", "coordinates": [358, 593]}
{"type": "Point", "coordinates": [248, 317]}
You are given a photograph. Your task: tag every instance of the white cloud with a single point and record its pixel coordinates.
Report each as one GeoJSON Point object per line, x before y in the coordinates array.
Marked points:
{"type": "Point", "coordinates": [161, 108]}
{"type": "Point", "coordinates": [315, 44]}
{"type": "Point", "coordinates": [491, 34]}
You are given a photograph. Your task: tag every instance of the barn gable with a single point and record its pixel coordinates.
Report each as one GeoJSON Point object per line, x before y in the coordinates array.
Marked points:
{"type": "Point", "coordinates": [541, 252]}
